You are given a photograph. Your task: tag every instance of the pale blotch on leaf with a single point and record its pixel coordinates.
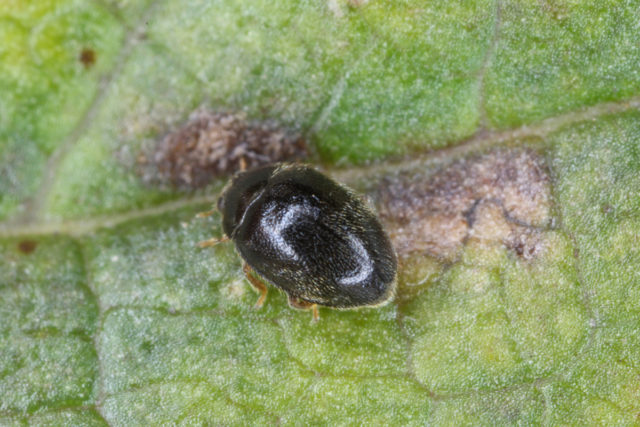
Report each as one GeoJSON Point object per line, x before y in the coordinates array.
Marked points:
{"type": "Point", "coordinates": [499, 197]}
{"type": "Point", "coordinates": [235, 290]}
{"type": "Point", "coordinates": [416, 272]}
{"type": "Point", "coordinates": [211, 145]}
{"type": "Point", "coordinates": [339, 7]}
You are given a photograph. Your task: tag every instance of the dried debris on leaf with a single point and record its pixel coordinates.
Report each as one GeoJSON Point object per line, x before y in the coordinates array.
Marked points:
{"type": "Point", "coordinates": [502, 196]}
{"type": "Point", "coordinates": [213, 144]}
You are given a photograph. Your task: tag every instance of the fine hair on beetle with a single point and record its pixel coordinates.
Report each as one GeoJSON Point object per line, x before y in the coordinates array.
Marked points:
{"type": "Point", "coordinates": [309, 236]}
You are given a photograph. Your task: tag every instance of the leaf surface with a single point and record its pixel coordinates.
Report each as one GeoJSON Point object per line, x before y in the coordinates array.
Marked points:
{"type": "Point", "coordinates": [112, 316]}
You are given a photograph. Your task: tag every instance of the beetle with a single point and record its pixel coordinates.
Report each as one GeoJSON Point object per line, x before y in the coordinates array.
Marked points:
{"type": "Point", "coordinates": [309, 236]}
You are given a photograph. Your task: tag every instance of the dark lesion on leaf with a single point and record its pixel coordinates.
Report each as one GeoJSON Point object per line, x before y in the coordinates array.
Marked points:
{"type": "Point", "coordinates": [501, 196]}
{"type": "Point", "coordinates": [27, 246]}
{"type": "Point", "coordinates": [87, 57]}
{"type": "Point", "coordinates": [214, 144]}
{"type": "Point", "coordinates": [146, 346]}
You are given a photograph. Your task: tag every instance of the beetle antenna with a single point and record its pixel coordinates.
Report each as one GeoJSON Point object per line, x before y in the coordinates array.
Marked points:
{"type": "Point", "coordinates": [207, 213]}
{"type": "Point", "coordinates": [212, 242]}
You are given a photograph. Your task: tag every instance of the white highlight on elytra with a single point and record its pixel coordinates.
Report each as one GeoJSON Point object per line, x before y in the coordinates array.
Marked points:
{"type": "Point", "coordinates": [365, 264]}
{"type": "Point", "coordinates": [275, 225]}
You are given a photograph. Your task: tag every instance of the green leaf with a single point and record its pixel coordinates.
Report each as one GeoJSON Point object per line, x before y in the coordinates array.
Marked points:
{"type": "Point", "coordinates": [518, 306]}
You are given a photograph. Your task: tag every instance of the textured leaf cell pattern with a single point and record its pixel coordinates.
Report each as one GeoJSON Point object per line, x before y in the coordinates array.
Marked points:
{"type": "Point", "coordinates": [499, 140]}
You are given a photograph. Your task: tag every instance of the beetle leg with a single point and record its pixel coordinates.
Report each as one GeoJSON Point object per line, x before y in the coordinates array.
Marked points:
{"type": "Point", "coordinates": [257, 284]}
{"type": "Point", "coordinates": [243, 164]}
{"type": "Point", "coordinates": [305, 305]}
{"type": "Point", "coordinates": [212, 242]}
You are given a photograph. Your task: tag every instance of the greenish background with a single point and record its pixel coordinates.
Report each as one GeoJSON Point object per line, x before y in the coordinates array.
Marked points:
{"type": "Point", "coordinates": [110, 316]}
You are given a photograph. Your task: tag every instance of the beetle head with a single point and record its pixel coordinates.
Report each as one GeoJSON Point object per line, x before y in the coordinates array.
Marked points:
{"type": "Point", "coordinates": [237, 196]}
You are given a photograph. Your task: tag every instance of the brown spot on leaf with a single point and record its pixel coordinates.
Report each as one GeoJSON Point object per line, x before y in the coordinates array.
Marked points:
{"type": "Point", "coordinates": [87, 57]}
{"type": "Point", "coordinates": [212, 144]}
{"type": "Point", "coordinates": [501, 196]}
{"type": "Point", "coordinates": [27, 246]}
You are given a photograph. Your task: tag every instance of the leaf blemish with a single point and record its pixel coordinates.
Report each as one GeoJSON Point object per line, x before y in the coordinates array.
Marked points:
{"type": "Point", "coordinates": [502, 196]}
{"type": "Point", "coordinates": [87, 57]}
{"type": "Point", "coordinates": [214, 144]}
{"type": "Point", "coordinates": [27, 246]}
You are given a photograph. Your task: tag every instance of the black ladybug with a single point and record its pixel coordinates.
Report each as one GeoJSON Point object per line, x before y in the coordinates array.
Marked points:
{"type": "Point", "coordinates": [309, 236]}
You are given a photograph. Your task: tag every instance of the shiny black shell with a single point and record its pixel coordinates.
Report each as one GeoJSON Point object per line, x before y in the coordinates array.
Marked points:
{"type": "Point", "coordinates": [309, 236]}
